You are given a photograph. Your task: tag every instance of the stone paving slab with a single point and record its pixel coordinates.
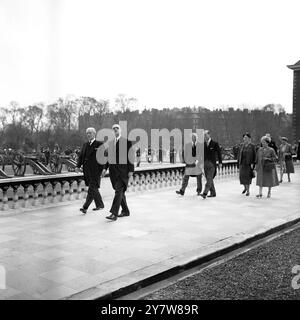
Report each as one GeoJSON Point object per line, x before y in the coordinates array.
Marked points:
{"type": "Point", "coordinates": [57, 253]}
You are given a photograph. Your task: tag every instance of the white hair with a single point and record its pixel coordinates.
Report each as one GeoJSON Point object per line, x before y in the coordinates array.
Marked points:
{"type": "Point", "coordinates": [91, 129]}
{"type": "Point", "coordinates": [194, 134]}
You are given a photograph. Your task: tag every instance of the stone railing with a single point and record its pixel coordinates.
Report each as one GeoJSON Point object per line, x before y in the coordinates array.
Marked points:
{"type": "Point", "coordinates": [34, 191]}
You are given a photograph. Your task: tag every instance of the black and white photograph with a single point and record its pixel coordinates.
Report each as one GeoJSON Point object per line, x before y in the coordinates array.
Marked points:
{"type": "Point", "coordinates": [149, 153]}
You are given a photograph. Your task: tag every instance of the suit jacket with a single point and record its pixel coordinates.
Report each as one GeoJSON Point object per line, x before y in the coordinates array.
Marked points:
{"type": "Point", "coordinates": [120, 160]}
{"type": "Point", "coordinates": [91, 168]}
{"type": "Point", "coordinates": [212, 152]}
{"type": "Point", "coordinates": [191, 168]}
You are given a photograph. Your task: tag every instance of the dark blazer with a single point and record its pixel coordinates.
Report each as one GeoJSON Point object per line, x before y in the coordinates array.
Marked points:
{"type": "Point", "coordinates": [91, 168]}
{"type": "Point", "coordinates": [120, 163]}
{"type": "Point", "coordinates": [272, 144]}
{"type": "Point", "coordinates": [250, 155]}
{"type": "Point", "coordinates": [212, 152]}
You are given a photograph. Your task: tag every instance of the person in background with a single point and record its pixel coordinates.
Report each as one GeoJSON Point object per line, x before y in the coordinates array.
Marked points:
{"type": "Point", "coordinates": [285, 159]}
{"type": "Point", "coordinates": [272, 143]}
{"type": "Point", "coordinates": [212, 154]}
{"type": "Point", "coordinates": [265, 166]}
{"type": "Point", "coordinates": [298, 151]}
{"type": "Point", "coordinates": [246, 163]}
{"type": "Point", "coordinates": [138, 156]}
{"type": "Point", "coordinates": [193, 165]}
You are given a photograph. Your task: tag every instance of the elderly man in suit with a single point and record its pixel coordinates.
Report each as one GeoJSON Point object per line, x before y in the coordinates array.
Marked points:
{"type": "Point", "coordinates": [91, 170]}
{"type": "Point", "coordinates": [212, 153]}
{"type": "Point", "coordinates": [121, 167]}
{"type": "Point", "coordinates": [194, 164]}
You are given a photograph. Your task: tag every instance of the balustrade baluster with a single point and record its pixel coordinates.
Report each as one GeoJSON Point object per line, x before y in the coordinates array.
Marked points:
{"type": "Point", "coordinates": [26, 202]}
{"type": "Point", "coordinates": [35, 194]}
{"type": "Point", "coordinates": [71, 191]}
{"type": "Point", "coordinates": [5, 205]}
{"type": "Point", "coordinates": [45, 192]}
{"type": "Point", "coordinates": [54, 191]}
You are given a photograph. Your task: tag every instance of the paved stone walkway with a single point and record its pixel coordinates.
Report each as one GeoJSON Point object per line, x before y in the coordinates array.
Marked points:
{"type": "Point", "coordinates": [57, 252]}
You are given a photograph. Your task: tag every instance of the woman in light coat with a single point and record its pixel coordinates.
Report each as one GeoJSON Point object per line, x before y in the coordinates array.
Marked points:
{"type": "Point", "coordinates": [266, 167]}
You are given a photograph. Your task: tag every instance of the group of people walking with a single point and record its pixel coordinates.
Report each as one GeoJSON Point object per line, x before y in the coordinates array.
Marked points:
{"type": "Point", "coordinates": [120, 171]}
{"type": "Point", "coordinates": [263, 161]}
{"type": "Point", "coordinates": [249, 159]}
{"type": "Point", "coordinates": [252, 162]}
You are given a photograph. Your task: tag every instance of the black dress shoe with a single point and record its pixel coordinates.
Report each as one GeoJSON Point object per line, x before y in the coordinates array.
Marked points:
{"type": "Point", "coordinates": [203, 195]}
{"type": "Point", "coordinates": [112, 217]}
{"type": "Point", "coordinates": [180, 192]}
{"type": "Point", "coordinates": [211, 196]}
{"type": "Point", "coordinates": [124, 214]}
{"type": "Point", "coordinates": [84, 211]}
{"type": "Point", "coordinates": [244, 191]}
{"type": "Point", "coordinates": [98, 208]}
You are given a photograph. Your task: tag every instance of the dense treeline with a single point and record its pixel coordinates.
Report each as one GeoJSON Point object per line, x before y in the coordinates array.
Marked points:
{"type": "Point", "coordinates": [64, 122]}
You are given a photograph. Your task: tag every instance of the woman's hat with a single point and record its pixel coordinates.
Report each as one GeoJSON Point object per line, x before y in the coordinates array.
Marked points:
{"type": "Point", "coordinates": [284, 138]}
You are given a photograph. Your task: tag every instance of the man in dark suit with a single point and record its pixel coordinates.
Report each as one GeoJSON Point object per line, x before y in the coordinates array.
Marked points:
{"type": "Point", "coordinates": [212, 153]}
{"type": "Point", "coordinates": [194, 164]}
{"type": "Point", "coordinates": [272, 143]}
{"type": "Point", "coordinates": [121, 167]}
{"type": "Point", "coordinates": [91, 170]}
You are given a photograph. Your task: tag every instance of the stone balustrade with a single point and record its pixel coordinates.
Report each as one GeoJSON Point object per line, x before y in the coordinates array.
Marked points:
{"type": "Point", "coordinates": [33, 191]}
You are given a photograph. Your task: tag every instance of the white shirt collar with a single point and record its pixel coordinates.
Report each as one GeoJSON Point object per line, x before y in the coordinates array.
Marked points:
{"type": "Point", "coordinates": [208, 141]}
{"type": "Point", "coordinates": [92, 141]}
{"type": "Point", "coordinates": [117, 139]}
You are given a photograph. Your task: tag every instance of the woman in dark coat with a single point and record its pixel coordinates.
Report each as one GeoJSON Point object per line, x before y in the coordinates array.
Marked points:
{"type": "Point", "coordinates": [266, 167]}
{"type": "Point", "coordinates": [285, 159]}
{"type": "Point", "coordinates": [246, 163]}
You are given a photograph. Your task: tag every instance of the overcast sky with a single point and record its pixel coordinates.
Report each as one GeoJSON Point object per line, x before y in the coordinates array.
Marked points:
{"type": "Point", "coordinates": [163, 52]}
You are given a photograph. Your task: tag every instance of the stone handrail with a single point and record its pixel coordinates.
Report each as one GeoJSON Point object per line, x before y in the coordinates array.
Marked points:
{"type": "Point", "coordinates": [31, 191]}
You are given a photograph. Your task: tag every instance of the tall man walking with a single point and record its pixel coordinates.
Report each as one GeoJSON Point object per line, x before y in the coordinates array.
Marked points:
{"type": "Point", "coordinates": [91, 170]}
{"type": "Point", "coordinates": [121, 168]}
{"type": "Point", "coordinates": [212, 153]}
{"type": "Point", "coordinates": [194, 164]}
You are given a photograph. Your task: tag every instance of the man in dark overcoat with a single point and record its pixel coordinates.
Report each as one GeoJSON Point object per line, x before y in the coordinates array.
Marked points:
{"type": "Point", "coordinates": [121, 167]}
{"type": "Point", "coordinates": [91, 170]}
{"type": "Point", "coordinates": [212, 154]}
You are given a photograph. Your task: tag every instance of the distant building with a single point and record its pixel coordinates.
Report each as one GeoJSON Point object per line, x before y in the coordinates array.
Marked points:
{"type": "Point", "coordinates": [296, 100]}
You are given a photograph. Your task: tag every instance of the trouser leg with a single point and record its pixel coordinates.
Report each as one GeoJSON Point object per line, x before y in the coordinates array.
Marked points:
{"type": "Point", "coordinates": [199, 183]}
{"type": "Point", "coordinates": [93, 194]}
{"type": "Point", "coordinates": [119, 193]}
{"type": "Point", "coordinates": [124, 204]}
{"type": "Point", "coordinates": [209, 170]}
{"type": "Point", "coordinates": [185, 182]}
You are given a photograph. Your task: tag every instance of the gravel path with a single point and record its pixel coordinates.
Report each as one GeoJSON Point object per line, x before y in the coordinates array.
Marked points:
{"type": "Point", "coordinates": [262, 273]}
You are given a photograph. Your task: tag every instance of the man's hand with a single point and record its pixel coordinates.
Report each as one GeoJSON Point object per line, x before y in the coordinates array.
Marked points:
{"type": "Point", "coordinates": [103, 173]}
{"type": "Point", "coordinates": [130, 174]}
{"type": "Point", "coordinates": [220, 165]}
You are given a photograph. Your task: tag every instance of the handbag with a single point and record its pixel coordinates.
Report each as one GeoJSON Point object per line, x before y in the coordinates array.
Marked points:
{"type": "Point", "coordinates": [287, 157]}
{"type": "Point", "coordinates": [268, 165]}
